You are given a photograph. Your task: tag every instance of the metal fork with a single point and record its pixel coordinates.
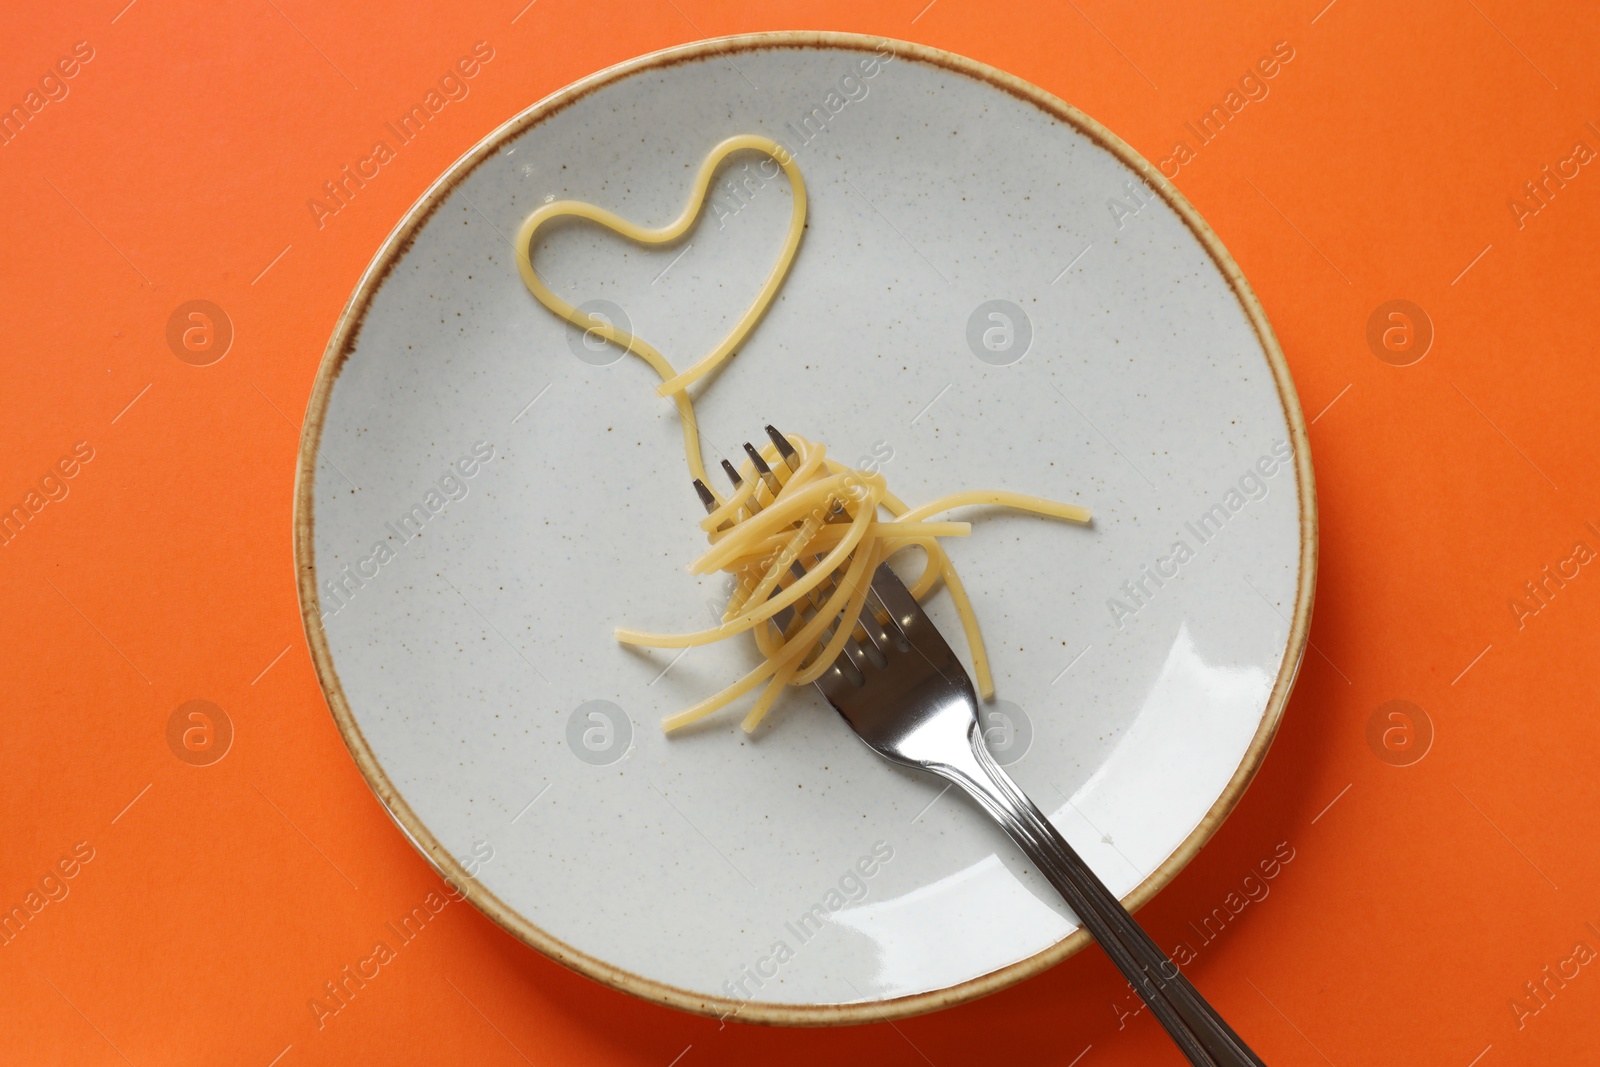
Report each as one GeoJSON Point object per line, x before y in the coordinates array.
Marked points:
{"type": "Point", "coordinates": [908, 697]}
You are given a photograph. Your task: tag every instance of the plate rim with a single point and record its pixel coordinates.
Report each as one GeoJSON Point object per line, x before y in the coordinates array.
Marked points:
{"type": "Point", "coordinates": [347, 331]}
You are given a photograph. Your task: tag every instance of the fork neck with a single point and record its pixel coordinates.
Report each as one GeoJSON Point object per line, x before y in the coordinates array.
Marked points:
{"type": "Point", "coordinates": [974, 769]}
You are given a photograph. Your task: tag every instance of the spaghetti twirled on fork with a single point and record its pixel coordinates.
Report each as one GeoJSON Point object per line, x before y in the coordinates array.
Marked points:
{"type": "Point", "coordinates": [802, 533]}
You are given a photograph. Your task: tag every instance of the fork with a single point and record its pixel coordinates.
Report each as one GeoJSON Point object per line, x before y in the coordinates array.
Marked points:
{"type": "Point", "coordinates": [901, 688]}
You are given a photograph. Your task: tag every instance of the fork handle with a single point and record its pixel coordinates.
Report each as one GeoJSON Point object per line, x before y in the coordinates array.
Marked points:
{"type": "Point", "coordinates": [1202, 1034]}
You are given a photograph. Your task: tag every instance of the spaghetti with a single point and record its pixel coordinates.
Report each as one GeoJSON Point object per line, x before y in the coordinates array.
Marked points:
{"type": "Point", "coordinates": [804, 533]}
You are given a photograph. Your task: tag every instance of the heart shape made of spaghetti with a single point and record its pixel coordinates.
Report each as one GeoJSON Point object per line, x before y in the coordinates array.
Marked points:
{"type": "Point", "coordinates": [673, 380]}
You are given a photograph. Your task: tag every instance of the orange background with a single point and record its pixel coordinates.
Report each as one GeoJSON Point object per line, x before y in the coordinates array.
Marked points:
{"type": "Point", "coordinates": [1416, 906]}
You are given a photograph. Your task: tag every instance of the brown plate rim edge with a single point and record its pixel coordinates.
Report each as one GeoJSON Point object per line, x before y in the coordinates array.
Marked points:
{"type": "Point", "coordinates": [348, 329]}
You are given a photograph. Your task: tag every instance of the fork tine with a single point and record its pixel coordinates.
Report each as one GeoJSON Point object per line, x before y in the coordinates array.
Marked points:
{"type": "Point", "coordinates": [706, 498]}
{"type": "Point", "coordinates": [785, 449]}
{"type": "Point", "coordinates": [858, 656]}
{"type": "Point", "coordinates": [845, 669]}
{"type": "Point", "coordinates": [709, 500]}
{"type": "Point", "coordinates": [738, 483]}
{"type": "Point", "coordinates": [816, 596]}
{"type": "Point", "coordinates": [762, 468]}
{"type": "Point", "coordinates": [897, 601]}
{"type": "Point", "coordinates": [873, 627]}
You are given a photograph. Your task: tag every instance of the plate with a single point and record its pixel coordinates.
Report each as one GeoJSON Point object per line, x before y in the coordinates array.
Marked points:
{"type": "Point", "coordinates": [993, 291]}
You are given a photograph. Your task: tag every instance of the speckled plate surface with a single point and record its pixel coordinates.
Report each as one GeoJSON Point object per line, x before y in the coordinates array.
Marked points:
{"type": "Point", "coordinates": [992, 291]}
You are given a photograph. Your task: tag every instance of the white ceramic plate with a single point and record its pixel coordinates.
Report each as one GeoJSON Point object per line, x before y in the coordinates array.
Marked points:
{"type": "Point", "coordinates": [993, 291]}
